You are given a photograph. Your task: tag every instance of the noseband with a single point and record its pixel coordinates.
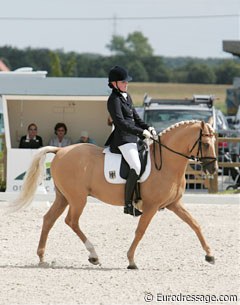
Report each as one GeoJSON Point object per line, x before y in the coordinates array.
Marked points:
{"type": "Point", "coordinates": [199, 157]}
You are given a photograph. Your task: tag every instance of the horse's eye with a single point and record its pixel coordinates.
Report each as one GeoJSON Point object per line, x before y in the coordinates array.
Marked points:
{"type": "Point", "coordinates": [206, 145]}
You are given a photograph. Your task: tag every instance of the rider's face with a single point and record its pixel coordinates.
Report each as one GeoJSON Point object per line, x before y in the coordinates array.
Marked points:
{"type": "Point", "coordinates": [122, 85]}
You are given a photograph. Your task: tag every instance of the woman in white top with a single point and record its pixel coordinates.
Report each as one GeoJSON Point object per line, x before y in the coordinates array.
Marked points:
{"type": "Point", "coordinates": [60, 139]}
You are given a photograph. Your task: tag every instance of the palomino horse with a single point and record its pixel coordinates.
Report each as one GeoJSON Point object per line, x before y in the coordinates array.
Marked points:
{"type": "Point", "coordinates": [77, 171]}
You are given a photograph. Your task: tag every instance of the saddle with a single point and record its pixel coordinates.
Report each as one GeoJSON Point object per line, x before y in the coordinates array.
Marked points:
{"type": "Point", "coordinates": [116, 169]}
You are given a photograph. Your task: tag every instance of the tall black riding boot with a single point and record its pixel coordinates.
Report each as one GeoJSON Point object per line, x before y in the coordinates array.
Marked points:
{"type": "Point", "coordinates": [129, 190]}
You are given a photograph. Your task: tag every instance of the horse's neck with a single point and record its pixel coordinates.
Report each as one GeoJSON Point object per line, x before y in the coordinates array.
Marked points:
{"type": "Point", "coordinates": [168, 163]}
{"type": "Point", "coordinates": [179, 140]}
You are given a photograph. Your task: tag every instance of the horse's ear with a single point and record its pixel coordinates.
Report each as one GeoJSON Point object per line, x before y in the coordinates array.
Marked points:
{"type": "Point", "coordinates": [210, 121]}
{"type": "Point", "coordinates": [202, 125]}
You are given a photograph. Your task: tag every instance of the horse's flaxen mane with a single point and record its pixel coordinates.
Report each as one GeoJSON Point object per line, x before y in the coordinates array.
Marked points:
{"type": "Point", "coordinates": [211, 128]}
{"type": "Point", "coordinates": [177, 125]}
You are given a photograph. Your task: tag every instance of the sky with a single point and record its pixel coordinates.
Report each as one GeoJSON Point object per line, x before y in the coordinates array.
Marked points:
{"type": "Point", "coordinates": [194, 28]}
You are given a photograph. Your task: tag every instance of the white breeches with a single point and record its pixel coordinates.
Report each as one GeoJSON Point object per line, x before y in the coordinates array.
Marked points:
{"type": "Point", "coordinates": [130, 154]}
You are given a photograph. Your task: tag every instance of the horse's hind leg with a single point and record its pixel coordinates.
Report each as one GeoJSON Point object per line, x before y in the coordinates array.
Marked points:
{"type": "Point", "coordinates": [179, 210]}
{"type": "Point", "coordinates": [49, 219]}
{"type": "Point", "coordinates": [72, 220]}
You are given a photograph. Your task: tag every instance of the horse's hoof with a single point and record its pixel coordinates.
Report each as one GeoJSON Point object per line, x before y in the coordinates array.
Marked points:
{"type": "Point", "coordinates": [210, 259]}
{"type": "Point", "coordinates": [43, 265]}
{"type": "Point", "coordinates": [132, 267]}
{"type": "Point", "coordinates": [94, 260]}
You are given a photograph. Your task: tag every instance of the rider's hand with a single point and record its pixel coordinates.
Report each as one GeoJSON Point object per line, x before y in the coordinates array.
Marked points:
{"type": "Point", "coordinates": [146, 134]}
{"type": "Point", "coordinates": [153, 131]}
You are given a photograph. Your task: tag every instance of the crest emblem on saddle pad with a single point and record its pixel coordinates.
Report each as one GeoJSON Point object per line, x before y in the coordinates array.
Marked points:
{"type": "Point", "coordinates": [112, 163]}
{"type": "Point", "coordinates": [112, 175]}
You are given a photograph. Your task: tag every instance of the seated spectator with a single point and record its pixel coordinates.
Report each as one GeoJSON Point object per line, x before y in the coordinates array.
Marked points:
{"type": "Point", "coordinates": [85, 138]}
{"type": "Point", "coordinates": [31, 139]}
{"type": "Point", "coordinates": [60, 139]}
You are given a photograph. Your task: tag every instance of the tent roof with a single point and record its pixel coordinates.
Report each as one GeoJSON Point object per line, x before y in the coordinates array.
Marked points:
{"type": "Point", "coordinates": [18, 84]}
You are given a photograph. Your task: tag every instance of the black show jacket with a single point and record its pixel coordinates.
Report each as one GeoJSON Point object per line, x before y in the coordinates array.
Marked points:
{"type": "Point", "coordinates": [128, 125]}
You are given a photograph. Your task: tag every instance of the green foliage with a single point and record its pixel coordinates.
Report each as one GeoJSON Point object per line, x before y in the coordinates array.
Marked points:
{"type": "Point", "coordinates": [55, 64]}
{"type": "Point", "coordinates": [157, 71]}
{"type": "Point", "coordinates": [69, 65]}
{"type": "Point", "coordinates": [134, 45]}
{"type": "Point", "coordinates": [2, 185]}
{"type": "Point", "coordinates": [200, 74]}
{"type": "Point", "coordinates": [226, 71]}
{"type": "Point", "coordinates": [138, 45]}
{"type": "Point", "coordinates": [178, 75]}
{"type": "Point", "coordinates": [38, 59]}
{"type": "Point", "coordinates": [138, 71]}
{"type": "Point", "coordinates": [117, 45]}
{"type": "Point", "coordinates": [134, 53]}
{"type": "Point", "coordinates": [229, 192]}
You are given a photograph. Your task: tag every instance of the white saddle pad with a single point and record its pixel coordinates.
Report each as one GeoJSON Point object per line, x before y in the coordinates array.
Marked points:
{"type": "Point", "coordinates": [112, 164]}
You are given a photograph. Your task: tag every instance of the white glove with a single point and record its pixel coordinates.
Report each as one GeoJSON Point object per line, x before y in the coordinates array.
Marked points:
{"type": "Point", "coordinates": [146, 134]}
{"type": "Point", "coordinates": [153, 131]}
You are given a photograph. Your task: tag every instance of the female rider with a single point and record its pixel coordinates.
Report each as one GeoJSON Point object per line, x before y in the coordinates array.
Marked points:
{"type": "Point", "coordinates": [128, 127]}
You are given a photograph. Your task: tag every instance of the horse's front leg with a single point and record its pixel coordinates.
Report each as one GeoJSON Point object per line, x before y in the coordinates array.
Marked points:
{"type": "Point", "coordinates": [143, 223]}
{"type": "Point", "coordinates": [180, 211]}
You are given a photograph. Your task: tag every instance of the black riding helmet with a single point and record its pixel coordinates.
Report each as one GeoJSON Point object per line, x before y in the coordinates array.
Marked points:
{"type": "Point", "coordinates": [118, 73]}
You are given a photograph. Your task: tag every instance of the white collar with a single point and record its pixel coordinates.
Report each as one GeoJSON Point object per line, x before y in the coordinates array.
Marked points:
{"type": "Point", "coordinates": [124, 94]}
{"type": "Point", "coordinates": [27, 137]}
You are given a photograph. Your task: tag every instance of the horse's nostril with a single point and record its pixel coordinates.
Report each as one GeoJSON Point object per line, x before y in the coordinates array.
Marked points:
{"type": "Point", "coordinates": [210, 167]}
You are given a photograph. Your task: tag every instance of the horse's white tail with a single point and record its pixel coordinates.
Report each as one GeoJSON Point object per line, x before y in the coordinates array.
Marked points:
{"type": "Point", "coordinates": [32, 179]}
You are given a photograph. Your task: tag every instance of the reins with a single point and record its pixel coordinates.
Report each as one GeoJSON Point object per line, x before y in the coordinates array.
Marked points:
{"type": "Point", "coordinates": [194, 158]}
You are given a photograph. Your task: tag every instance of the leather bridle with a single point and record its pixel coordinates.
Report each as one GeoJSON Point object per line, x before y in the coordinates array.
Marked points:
{"type": "Point", "coordinates": [199, 157]}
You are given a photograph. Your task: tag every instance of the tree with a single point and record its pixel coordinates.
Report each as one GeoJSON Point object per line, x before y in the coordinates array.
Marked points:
{"type": "Point", "coordinates": [226, 72]}
{"type": "Point", "coordinates": [138, 45]}
{"type": "Point", "coordinates": [56, 69]}
{"type": "Point", "coordinates": [38, 59]}
{"type": "Point", "coordinates": [69, 64]}
{"type": "Point", "coordinates": [157, 71]}
{"type": "Point", "coordinates": [117, 45]}
{"type": "Point", "coordinates": [134, 45]}
{"type": "Point", "coordinates": [138, 71]}
{"type": "Point", "coordinates": [200, 74]}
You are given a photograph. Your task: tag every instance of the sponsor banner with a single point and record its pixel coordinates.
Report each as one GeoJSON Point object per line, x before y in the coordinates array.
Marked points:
{"type": "Point", "coordinates": [18, 162]}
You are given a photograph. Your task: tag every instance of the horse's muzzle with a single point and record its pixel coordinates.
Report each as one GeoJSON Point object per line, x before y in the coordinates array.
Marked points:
{"type": "Point", "coordinates": [210, 166]}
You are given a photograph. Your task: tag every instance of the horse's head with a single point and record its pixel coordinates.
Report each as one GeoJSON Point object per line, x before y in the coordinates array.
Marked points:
{"type": "Point", "coordinates": [206, 148]}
